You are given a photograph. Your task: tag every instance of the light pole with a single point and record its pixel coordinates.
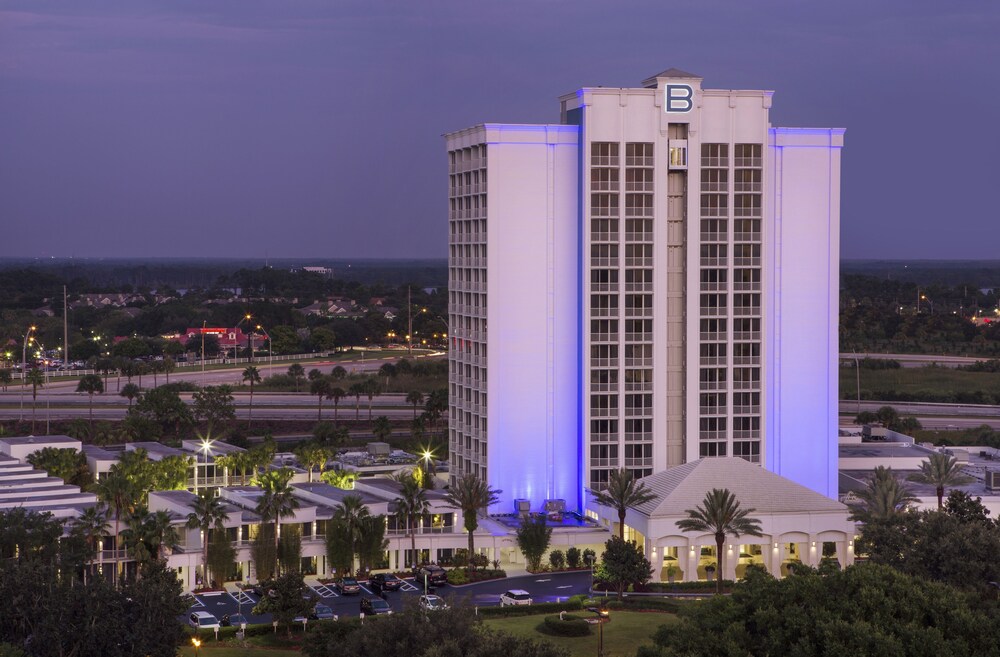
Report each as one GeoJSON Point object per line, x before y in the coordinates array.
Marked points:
{"type": "Point", "coordinates": [24, 366]}
{"type": "Point", "coordinates": [270, 353]}
{"type": "Point", "coordinates": [206, 446]}
{"type": "Point", "coordinates": [203, 323]}
{"type": "Point", "coordinates": [235, 345]}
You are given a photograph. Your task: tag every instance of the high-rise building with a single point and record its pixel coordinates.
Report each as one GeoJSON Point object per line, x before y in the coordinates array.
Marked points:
{"type": "Point", "coordinates": [650, 282]}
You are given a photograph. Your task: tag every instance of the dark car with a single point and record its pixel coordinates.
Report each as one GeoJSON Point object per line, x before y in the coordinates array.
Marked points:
{"type": "Point", "coordinates": [385, 582]}
{"type": "Point", "coordinates": [233, 620]}
{"type": "Point", "coordinates": [348, 586]}
{"type": "Point", "coordinates": [375, 607]}
{"type": "Point", "coordinates": [432, 575]}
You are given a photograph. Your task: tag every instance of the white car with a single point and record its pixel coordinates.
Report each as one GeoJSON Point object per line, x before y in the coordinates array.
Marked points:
{"type": "Point", "coordinates": [432, 602]}
{"type": "Point", "coordinates": [203, 620]}
{"type": "Point", "coordinates": [515, 597]}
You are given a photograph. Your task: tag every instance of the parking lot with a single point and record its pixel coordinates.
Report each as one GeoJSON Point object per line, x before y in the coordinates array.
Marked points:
{"type": "Point", "coordinates": [547, 587]}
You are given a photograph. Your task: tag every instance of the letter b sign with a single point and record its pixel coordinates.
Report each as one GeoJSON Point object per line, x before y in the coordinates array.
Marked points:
{"type": "Point", "coordinates": [678, 98]}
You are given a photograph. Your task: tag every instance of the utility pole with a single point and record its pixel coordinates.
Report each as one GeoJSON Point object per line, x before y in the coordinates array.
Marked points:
{"type": "Point", "coordinates": [409, 320]}
{"type": "Point", "coordinates": [65, 330]}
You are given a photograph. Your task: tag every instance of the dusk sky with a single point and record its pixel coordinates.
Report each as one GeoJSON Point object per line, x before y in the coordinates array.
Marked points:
{"type": "Point", "coordinates": [308, 128]}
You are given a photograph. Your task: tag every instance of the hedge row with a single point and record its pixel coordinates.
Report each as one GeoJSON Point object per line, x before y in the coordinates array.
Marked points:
{"type": "Point", "coordinates": [572, 604]}
{"type": "Point", "coordinates": [568, 625]}
{"type": "Point", "coordinates": [652, 604]}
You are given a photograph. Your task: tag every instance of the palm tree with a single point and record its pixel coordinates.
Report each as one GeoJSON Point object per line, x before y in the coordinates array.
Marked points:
{"type": "Point", "coordinates": [416, 398]}
{"type": "Point", "coordinates": [338, 373]}
{"type": "Point", "coordinates": [252, 375]}
{"type": "Point", "coordinates": [168, 365]}
{"type": "Point", "coordinates": [117, 491]}
{"type": "Point", "coordinates": [623, 491]}
{"type": "Point", "coordinates": [37, 380]}
{"type": "Point", "coordinates": [312, 456]}
{"type": "Point", "coordinates": [410, 506]}
{"type": "Point", "coordinates": [276, 503]}
{"type": "Point", "coordinates": [883, 497]}
{"type": "Point", "coordinates": [720, 514]}
{"type": "Point", "coordinates": [940, 470]}
{"type": "Point", "coordinates": [469, 494]}
{"type": "Point", "coordinates": [91, 384]}
{"type": "Point", "coordinates": [130, 391]}
{"type": "Point", "coordinates": [351, 513]}
{"type": "Point", "coordinates": [207, 512]}
{"type": "Point", "coordinates": [336, 394]}
{"type": "Point", "coordinates": [371, 388]}
{"type": "Point", "coordinates": [321, 388]}
{"type": "Point", "coordinates": [297, 372]}
{"type": "Point", "coordinates": [91, 525]}
{"type": "Point", "coordinates": [356, 389]}
{"type": "Point", "coordinates": [134, 538]}
{"type": "Point", "coordinates": [161, 533]}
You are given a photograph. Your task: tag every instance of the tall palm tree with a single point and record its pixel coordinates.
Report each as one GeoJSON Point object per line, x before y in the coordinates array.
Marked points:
{"type": "Point", "coordinates": [207, 512]}
{"type": "Point", "coordinates": [416, 398]}
{"type": "Point", "coordinates": [297, 372]}
{"type": "Point", "coordinates": [356, 390]}
{"type": "Point", "coordinates": [117, 491]}
{"type": "Point", "coordinates": [940, 470]}
{"type": "Point", "coordinates": [168, 365]}
{"type": "Point", "coordinates": [162, 533]}
{"type": "Point", "coordinates": [883, 496]}
{"type": "Point", "coordinates": [336, 394]}
{"type": "Point", "coordinates": [135, 538]}
{"type": "Point", "coordinates": [276, 503]}
{"type": "Point", "coordinates": [623, 491]}
{"type": "Point", "coordinates": [91, 525]}
{"type": "Point", "coordinates": [91, 384]}
{"type": "Point", "coordinates": [130, 391]}
{"type": "Point", "coordinates": [469, 494]}
{"type": "Point", "coordinates": [720, 514]}
{"type": "Point", "coordinates": [37, 380]}
{"type": "Point", "coordinates": [320, 387]}
{"type": "Point", "coordinates": [371, 388]}
{"type": "Point", "coordinates": [351, 512]}
{"type": "Point", "coordinates": [251, 375]}
{"type": "Point", "coordinates": [411, 504]}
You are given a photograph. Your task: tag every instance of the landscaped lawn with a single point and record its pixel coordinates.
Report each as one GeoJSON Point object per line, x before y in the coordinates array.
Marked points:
{"type": "Point", "coordinates": [226, 651]}
{"type": "Point", "coordinates": [626, 631]}
{"type": "Point", "coordinates": [937, 381]}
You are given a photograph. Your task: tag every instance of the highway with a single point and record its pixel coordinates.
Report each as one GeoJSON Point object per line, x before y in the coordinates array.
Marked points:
{"type": "Point", "coordinates": [916, 360]}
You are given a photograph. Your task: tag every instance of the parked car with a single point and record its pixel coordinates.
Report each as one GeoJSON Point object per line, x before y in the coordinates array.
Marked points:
{"type": "Point", "coordinates": [375, 607]}
{"type": "Point", "coordinates": [385, 582]}
{"type": "Point", "coordinates": [515, 597]}
{"type": "Point", "coordinates": [433, 575]}
{"type": "Point", "coordinates": [203, 620]}
{"type": "Point", "coordinates": [233, 620]}
{"type": "Point", "coordinates": [348, 586]}
{"type": "Point", "coordinates": [322, 612]}
{"type": "Point", "coordinates": [432, 603]}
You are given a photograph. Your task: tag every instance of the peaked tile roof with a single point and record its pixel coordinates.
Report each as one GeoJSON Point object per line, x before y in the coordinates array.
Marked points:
{"type": "Point", "coordinates": [669, 73]}
{"type": "Point", "coordinates": [685, 486]}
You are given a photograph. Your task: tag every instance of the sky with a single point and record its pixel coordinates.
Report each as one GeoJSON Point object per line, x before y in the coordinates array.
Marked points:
{"type": "Point", "coordinates": [312, 128]}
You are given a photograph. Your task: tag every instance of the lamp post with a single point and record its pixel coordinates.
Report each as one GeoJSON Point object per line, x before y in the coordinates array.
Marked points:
{"type": "Point", "coordinates": [270, 353]}
{"type": "Point", "coordinates": [206, 446]}
{"type": "Point", "coordinates": [196, 642]}
{"type": "Point", "coordinates": [24, 366]}
{"type": "Point", "coordinates": [235, 345]}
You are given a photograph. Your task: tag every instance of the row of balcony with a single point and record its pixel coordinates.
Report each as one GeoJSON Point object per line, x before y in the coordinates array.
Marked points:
{"type": "Point", "coordinates": [466, 286]}
{"type": "Point", "coordinates": [467, 238]}
{"type": "Point", "coordinates": [467, 262]}
{"type": "Point", "coordinates": [721, 410]}
{"type": "Point", "coordinates": [467, 165]}
{"type": "Point", "coordinates": [465, 190]}
{"type": "Point", "coordinates": [467, 213]}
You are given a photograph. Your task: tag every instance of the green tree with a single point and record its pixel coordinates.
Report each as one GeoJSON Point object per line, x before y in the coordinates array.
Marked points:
{"type": "Point", "coordinates": [36, 379]}
{"type": "Point", "coordinates": [134, 538]}
{"type": "Point", "coordinates": [118, 493]}
{"type": "Point", "coordinates": [339, 546]}
{"type": "Point", "coordinates": [336, 394]}
{"type": "Point", "coordinates": [372, 388]}
{"type": "Point", "coordinates": [411, 504]}
{"type": "Point", "coordinates": [720, 514]}
{"type": "Point", "coordinates": [66, 463]}
{"type": "Point", "coordinates": [171, 472]}
{"type": "Point", "coordinates": [382, 428]}
{"type": "Point", "coordinates": [867, 609]}
{"type": "Point", "coordinates": [320, 387]}
{"type": "Point", "coordinates": [623, 492]}
{"type": "Point", "coordinates": [165, 407]}
{"type": "Point", "coordinates": [343, 479]}
{"type": "Point", "coordinates": [276, 503]}
{"type": "Point", "coordinates": [167, 366]}
{"type": "Point", "coordinates": [90, 384]}
{"type": "Point", "coordinates": [416, 398]}
{"type": "Point", "coordinates": [533, 537]}
{"type": "Point", "coordinates": [350, 514]}
{"type": "Point", "coordinates": [291, 598]}
{"type": "Point", "coordinates": [161, 533]}
{"type": "Point", "coordinates": [882, 497]}
{"type": "Point", "coordinates": [356, 390]}
{"type": "Point", "coordinates": [221, 557]}
{"type": "Point", "coordinates": [371, 541]}
{"type": "Point", "coordinates": [5, 378]}
{"type": "Point", "coordinates": [623, 564]}
{"type": "Point", "coordinates": [252, 376]}
{"type": "Point", "coordinates": [207, 513]}
{"type": "Point", "coordinates": [323, 339]}
{"type": "Point", "coordinates": [284, 340]}
{"type": "Point", "coordinates": [338, 373]}
{"type": "Point", "coordinates": [290, 548]}
{"type": "Point", "coordinates": [131, 392]}
{"type": "Point", "coordinates": [91, 526]}
{"type": "Point", "coordinates": [470, 494]}
{"type": "Point", "coordinates": [940, 470]}
{"type": "Point", "coordinates": [298, 373]}
{"type": "Point", "coordinates": [215, 405]}
{"type": "Point", "coordinates": [312, 456]}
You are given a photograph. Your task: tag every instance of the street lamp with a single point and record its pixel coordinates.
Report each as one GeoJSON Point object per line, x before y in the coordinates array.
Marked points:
{"type": "Point", "coordinates": [24, 365]}
{"type": "Point", "coordinates": [270, 354]}
{"type": "Point", "coordinates": [235, 345]}
{"type": "Point", "coordinates": [196, 642]}
{"type": "Point", "coordinates": [206, 446]}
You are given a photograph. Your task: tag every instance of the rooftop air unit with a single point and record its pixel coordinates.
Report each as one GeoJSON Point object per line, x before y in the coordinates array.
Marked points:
{"type": "Point", "coordinates": [993, 480]}
{"type": "Point", "coordinates": [522, 507]}
{"type": "Point", "coordinates": [555, 506]}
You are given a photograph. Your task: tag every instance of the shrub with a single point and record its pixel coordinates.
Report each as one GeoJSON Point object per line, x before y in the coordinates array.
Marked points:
{"type": "Point", "coordinates": [557, 559]}
{"type": "Point", "coordinates": [457, 576]}
{"type": "Point", "coordinates": [589, 557]}
{"type": "Point", "coordinates": [573, 557]}
{"type": "Point", "coordinates": [568, 625]}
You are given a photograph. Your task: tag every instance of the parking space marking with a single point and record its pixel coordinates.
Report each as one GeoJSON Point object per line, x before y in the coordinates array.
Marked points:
{"type": "Point", "coordinates": [365, 590]}
{"type": "Point", "coordinates": [406, 586]}
{"type": "Point", "coordinates": [242, 598]}
{"type": "Point", "coordinates": [325, 591]}
{"type": "Point", "coordinates": [197, 602]}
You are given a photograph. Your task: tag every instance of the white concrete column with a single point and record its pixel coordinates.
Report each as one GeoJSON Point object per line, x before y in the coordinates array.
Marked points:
{"type": "Point", "coordinates": [732, 555]}
{"type": "Point", "coordinates": [691, 571]}
{"type": "Point", "coordinates": [773, 558]}
{"type": "Point", "coordinates": [655, 556]}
